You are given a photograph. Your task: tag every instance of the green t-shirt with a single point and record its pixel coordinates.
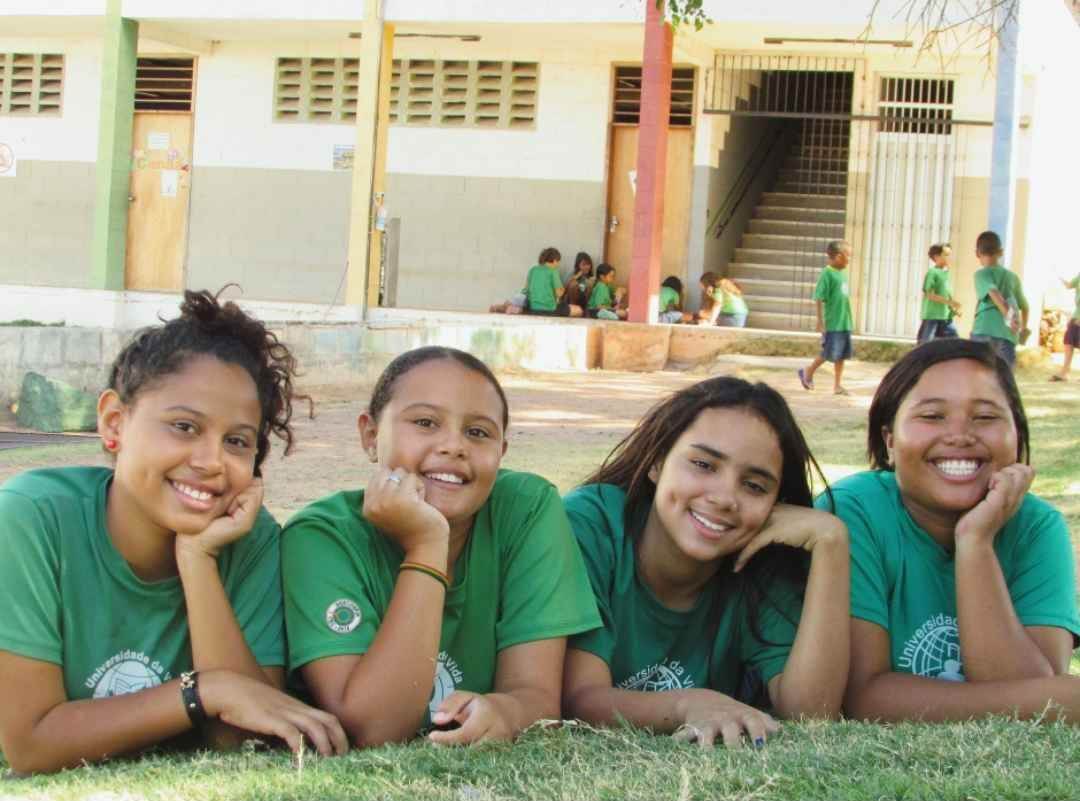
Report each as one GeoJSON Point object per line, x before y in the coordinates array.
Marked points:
{"type": "Point", "coordinates": [650, 647]}
{"type": "Point", "coordinates": [732, 303]}
{"type": "Point", "coordinates": [520, 578]}
{"type": "Point", "coordinates": [669, 299]}
{"type": "Point", "coordinates": [937, 282]}
{"type": "Point", "coordinates": [70, 598]}
{"type": "Point", "coordinates": [988, 320]}
{"type": "Point", "coordinates": [1075, 284]}
{"type": "Point", "coordinates": [601, 296]}
{"type": "Point", "coordinates": [832, 291]}
{"type": "Point", "coordinates": [541, 288]}
{"type": "Point", "coordinates": [905, 582]}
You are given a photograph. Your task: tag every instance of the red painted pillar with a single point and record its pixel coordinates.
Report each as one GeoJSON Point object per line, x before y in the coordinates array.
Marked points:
{"type": "Point", "coordinates": [651, 166]}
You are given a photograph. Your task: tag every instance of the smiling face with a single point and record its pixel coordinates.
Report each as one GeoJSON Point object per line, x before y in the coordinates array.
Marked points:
{"type": "Point", "coordinates": [716, 487]}
{"type": "Point", "coordinates": [185, 447]}
{"type": "Point", "coordinates": [951, 432]}
{"type": "Point", "coordinates": [443, 423]}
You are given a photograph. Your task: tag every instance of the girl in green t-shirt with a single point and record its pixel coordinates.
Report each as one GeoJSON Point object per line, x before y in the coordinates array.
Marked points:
{"type": "Point", "coordinates": [144, 600]}
{"type": "Point", "coordinates": [700, 541]}
{"type": "Point", "coordinates": [443, 592]}
{"type": "Point", "coordinates": [963, 584]}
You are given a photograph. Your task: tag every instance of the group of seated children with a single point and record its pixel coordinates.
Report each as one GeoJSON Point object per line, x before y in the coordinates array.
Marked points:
{"type": "Point", "coordinates": [692, 584]}
{"type": "Point", "coordinates": [585, 294]}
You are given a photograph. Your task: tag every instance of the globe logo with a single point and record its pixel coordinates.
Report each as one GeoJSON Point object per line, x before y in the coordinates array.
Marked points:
{"type": "Point", "coordinates": [343, 616]}
{"type": "Point", "coordinates": [447, 677]}
{"type": "Point", "coordinates": [936, 653]}
{"type": "Point", "coordinates": [126, 677]}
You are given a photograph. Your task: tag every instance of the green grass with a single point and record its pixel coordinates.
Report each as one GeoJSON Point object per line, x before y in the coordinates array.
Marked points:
{"type": "Point", "coordinates": [990, 759]}
{"type": "Point", "coordinates": [995, 759]}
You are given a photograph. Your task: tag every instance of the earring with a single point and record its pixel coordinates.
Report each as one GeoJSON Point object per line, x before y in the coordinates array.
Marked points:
{"type": "Point", "coordinates": [110, 444]}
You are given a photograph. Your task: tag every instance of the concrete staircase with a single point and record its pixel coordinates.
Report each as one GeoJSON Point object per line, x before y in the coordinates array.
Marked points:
{"type": "Point", "coordinates": [783, 249]}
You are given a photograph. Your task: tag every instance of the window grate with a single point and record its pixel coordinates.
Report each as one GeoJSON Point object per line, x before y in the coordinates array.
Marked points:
{"type": "Point", "coordinates": [316, 89]}
{"type": "Point", "coordinates": [164, 84]}
{"type": "Point", "coordinates": [471, 94]}
{"type": "Point", "coordinates": [31, 84]}
{"type": "Point", "coordinates": [916, 105]}
{"type": "Point", "coordinates": [626, 105]}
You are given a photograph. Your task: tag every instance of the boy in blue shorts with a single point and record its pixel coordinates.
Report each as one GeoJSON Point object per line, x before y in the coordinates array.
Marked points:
{"type": "Point", "coordinates": [938, 306]}
{"type": "Point", "coordinates": [833, 317]}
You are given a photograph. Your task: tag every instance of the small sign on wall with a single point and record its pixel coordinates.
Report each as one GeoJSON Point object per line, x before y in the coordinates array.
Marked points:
{"type": "Point", "coordinates": [170, 183]}
{"type": "Point", "coordinates": [157, 141]}
{"type": "Point", "coordinates": [8, 162]}
{"type": "Point", "coordinates": [343, 157]}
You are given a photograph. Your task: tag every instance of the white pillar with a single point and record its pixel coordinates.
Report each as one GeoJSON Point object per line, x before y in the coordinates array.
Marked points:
{"type": "Point", "coordinates": [1006, 120]}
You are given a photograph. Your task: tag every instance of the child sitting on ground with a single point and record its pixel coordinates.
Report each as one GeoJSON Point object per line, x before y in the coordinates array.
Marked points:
{"type": "Point", "coordinates": [604, 299]}
{"type": "Point", "coordinates": [671, 302]}
{"type": "Point", "coordinates": [733, 309]}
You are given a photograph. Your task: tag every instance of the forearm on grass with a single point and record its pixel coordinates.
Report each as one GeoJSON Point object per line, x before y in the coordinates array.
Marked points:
{"type": "Point", "coordinates": [73, 732]}
{"type": "Point", "coordinates": [663, 712]}
{"type": "Point", "coordinates": [815, 675]}
{"type": "Point", "coordinates": [890, 697]}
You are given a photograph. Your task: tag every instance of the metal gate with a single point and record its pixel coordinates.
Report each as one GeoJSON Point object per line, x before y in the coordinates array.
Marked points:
{"type": "Point", "coordinates": [877, 163]}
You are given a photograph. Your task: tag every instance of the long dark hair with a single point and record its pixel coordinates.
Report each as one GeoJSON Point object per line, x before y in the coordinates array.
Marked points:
{"type": "Point", "coordinates": [628, 465]}
{"type": "Point", "coordinates": [905, 374]}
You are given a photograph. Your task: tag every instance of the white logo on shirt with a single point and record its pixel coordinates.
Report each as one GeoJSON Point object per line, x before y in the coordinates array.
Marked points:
{"type": "Point", "coordinates": [658, 678]}
{"type": "Point", "coordinates": [343, 615]}
{"type": "Point", "coordinates": [448, 676]}
{"type": "Point", "coordinates": [934, 650]}
{"type": "Point", "coordinates": [126, 672]}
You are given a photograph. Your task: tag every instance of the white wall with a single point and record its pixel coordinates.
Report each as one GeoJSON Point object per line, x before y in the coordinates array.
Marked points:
{"type": "Point", "coordinates": [73, 135]}
{"type": "Point", "coordinates": [51, 7]}
{"type": "Point", "coordinates": [241, 9]}
{"type": "Point", "coordinates": [234, 126]}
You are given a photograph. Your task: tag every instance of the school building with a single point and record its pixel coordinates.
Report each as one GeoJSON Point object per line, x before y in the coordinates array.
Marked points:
{"type": "Point", "coordinates": [334, 156]}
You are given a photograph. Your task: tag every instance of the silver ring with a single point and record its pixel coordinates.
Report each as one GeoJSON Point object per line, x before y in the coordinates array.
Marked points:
{"type": "Point", "coordinates": [395, 479]}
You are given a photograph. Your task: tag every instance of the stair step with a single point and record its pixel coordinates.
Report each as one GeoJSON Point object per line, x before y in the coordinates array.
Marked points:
{"type": "Point", "coordinates": [779, 321]}
{"type": "Point", "coordinates": [802, 200]}
{"type": "Point", "coordinates": [814, 176]}
{"type": "Point", "coordinates": [797, 162]}
{"type": "Point", "coordinates": [797, 228]}
{"type": "Point", "coordinates": [799, 214]}
{"type": "Point", "coordinates": [764, 283]}
{"type": "Point", "coordinates": [811, 188]}
{"type": "Point", "coordinates": [781, 304]}
{"type": "Point", "coordinates": [796, 258]}
{"type": "Point", "coordinates": [776, 274]}
{"type": "Point", "coordinates": [794, 244]}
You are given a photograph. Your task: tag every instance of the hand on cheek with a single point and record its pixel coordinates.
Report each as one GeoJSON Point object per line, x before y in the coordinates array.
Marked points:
{"type": "Point", "coordinates": [238, 520]}
{"type": "Point", "coordinates": [1004, 495]}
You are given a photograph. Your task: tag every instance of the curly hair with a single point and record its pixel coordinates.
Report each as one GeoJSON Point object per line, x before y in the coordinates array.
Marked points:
{"type": "Point", "coordinates": [207, 327]}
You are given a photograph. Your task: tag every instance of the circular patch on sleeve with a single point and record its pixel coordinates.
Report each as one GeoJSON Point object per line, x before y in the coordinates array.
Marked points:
{"type": "Point", "coordinates": [343, 616]}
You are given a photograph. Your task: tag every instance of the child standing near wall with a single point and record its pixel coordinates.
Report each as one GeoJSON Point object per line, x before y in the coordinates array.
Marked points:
{"type": "Point", "coordinates": [1072, 333]}
{"type": "Point", "coordinates": [938, 306]}
{"type": "Point", "coordinates": [1000, 300]}
{"type": "Point", "coordinates": [833, 317]}
{"type": "Point", "coordinates": [604, 298]}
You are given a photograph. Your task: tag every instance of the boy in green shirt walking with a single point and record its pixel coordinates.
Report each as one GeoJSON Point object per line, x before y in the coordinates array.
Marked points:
{"type": "Point", "coordinates": [1000, 300]}
{"type": "Point", "coordinates": [938, 306]}
{"type": "Point", "coordinates": [833, 317]}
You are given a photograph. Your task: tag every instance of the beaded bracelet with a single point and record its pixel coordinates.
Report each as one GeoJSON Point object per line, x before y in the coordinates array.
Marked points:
{"type": "Point", "coordinates": [427, 570]}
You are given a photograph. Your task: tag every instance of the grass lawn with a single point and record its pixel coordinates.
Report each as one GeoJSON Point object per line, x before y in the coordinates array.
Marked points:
{"type": "Point", "coordinates": [562, 428]}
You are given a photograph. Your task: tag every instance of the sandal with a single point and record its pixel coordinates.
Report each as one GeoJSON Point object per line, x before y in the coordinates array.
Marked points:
{"type": "Point", "coordinates": [802, 379]}
{"type": "Point", "coordinates": [840, 391]}
{"type": "Point", "coordinates": [1056, 377]}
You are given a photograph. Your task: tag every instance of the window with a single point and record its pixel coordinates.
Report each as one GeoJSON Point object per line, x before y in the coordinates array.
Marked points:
{"type": "Point", "coordinates": [31, 83]}
{"type": "Point", "coordinates": [469, 94]}
{"type": "Point", "coordinates": [626, 106]}
{"type": "Point", "coordinates": [916, 105]}
{"type": "Point", "coordinates": [316, 89]}
{"type": "Point", "coordinates": [164, 84]}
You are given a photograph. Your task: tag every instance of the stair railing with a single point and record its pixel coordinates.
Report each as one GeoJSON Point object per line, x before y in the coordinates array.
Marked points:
{"type": "Point", "coordinates": [746, 178]}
